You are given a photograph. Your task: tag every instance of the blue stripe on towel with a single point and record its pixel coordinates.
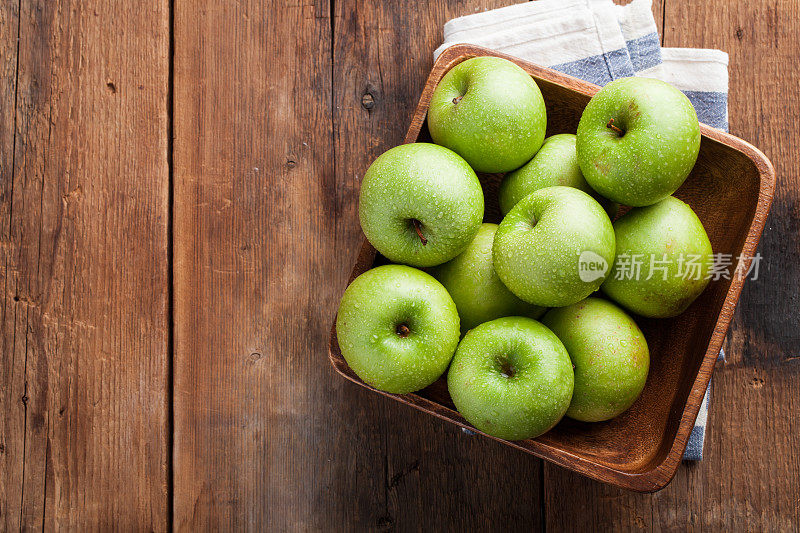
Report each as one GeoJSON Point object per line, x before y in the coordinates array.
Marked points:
{"type": "Point", "coordinates": [694, 447]}
{"type": "Point", "coordinates": [645, 51]}
{"type": "Point", "coordinates": [711, 107]}
{"type": "Point", "coordinates": [599, 69]}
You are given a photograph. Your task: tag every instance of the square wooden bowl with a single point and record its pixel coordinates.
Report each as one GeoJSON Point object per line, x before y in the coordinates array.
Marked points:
{"type": "Point", "coordinates": [731, 190]}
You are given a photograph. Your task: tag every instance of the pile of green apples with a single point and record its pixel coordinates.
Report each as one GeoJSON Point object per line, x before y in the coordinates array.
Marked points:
{"type": "Point", "coordinates": [508, 310]}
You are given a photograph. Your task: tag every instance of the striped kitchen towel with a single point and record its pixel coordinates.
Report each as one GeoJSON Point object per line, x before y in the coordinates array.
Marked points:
{"type": "Point", "coordinates": [598, 41]}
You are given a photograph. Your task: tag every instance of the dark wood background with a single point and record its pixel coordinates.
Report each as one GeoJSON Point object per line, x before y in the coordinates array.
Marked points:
{"type": "Point", "coordinates": [178, 187]}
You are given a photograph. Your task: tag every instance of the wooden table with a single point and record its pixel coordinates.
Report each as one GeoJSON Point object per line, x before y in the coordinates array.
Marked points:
{"type": "Point", "coordinates": [178, 185]}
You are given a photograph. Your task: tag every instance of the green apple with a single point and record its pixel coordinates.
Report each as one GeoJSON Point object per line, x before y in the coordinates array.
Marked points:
{"type": "Point", "coordinates": [397, 328]}
{"type": "Point", "coordinates": [663, 259]}
{"type": "Point", "coordinates": [490, 112]}
{"type": "Point", "coordinates": [638, 139]}
{"type": "Point", "coordinates": [556, 163]}
{"type": "Point", "coordinates": [609, 357]}
{"type": "Point", "coordinates": [479, 294]}
{"type": "Point", "coordinates": [511, 378]}
{"type": "Point", "coordinates": [545, 243]}
{"type": "Point", "coordinates": [420, 204]}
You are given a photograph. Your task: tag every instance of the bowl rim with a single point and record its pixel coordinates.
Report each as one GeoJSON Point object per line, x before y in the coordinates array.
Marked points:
{"type": "Point", "coordinates": [659, 476]}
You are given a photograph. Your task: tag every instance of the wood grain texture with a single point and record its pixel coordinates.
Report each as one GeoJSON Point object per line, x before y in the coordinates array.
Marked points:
{"type": "Point", "coordinates": [83, 265]}
{"type": "Point", "coordinates": [254, 209]}
{"type": "Point", "coordinates": [749, 478]}
{"type": "Point", "coordinates": [12, 415]}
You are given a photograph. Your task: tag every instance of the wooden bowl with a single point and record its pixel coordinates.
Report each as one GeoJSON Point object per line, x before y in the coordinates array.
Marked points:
{"type": "Point", "coordinates": [731, 190]}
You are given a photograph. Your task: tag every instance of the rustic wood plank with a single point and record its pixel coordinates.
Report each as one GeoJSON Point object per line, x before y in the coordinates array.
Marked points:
{"type": "Point", "coordinates": [658, 13]}
{"type": "Point", "coordinates": [254, 208]}
{"type": "Point", "coordinates": [13, 416]}
{"type": "Point", "coordinates": [84, 249]}
{"type": "Point", "coordinates": [425, 474]}
{"type": "Point", "coordinates": [749, 478]}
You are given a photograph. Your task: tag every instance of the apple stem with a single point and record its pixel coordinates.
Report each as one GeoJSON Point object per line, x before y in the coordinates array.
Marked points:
{"type": "Point", "coordinates": [507, 370]}
{"type": "Point", "coordinates": [403, 330]}
{"type": "Point", "coordinates": [457, 99]}
{"type": "Point", "coordinates": [418, 229]}
{"type": "Point", "coordinates": [613, 127]}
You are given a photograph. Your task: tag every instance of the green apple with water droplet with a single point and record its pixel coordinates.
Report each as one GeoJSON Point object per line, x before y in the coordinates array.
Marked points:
{"type": "Point", "coordinates": [556, 163]}
{"type": "Point", "coordinates": [397, 328]}
{"type": "Point", "coordinates": [637, 140]}
{"type": "Point", "coordinates": [663, 259]}
{"type": "Point", "coordinates": [473, 284]}
{"type": "Point", "coordinates": [511, 378]}
{"type": "Point", "coordinates": [554, 247]}
{"type": "Point", "coordinates": [420, 204]}
{"type": "Point", "coordinates": [609, 355]}
{"type": "Point", "coordinates": [490, 111]}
